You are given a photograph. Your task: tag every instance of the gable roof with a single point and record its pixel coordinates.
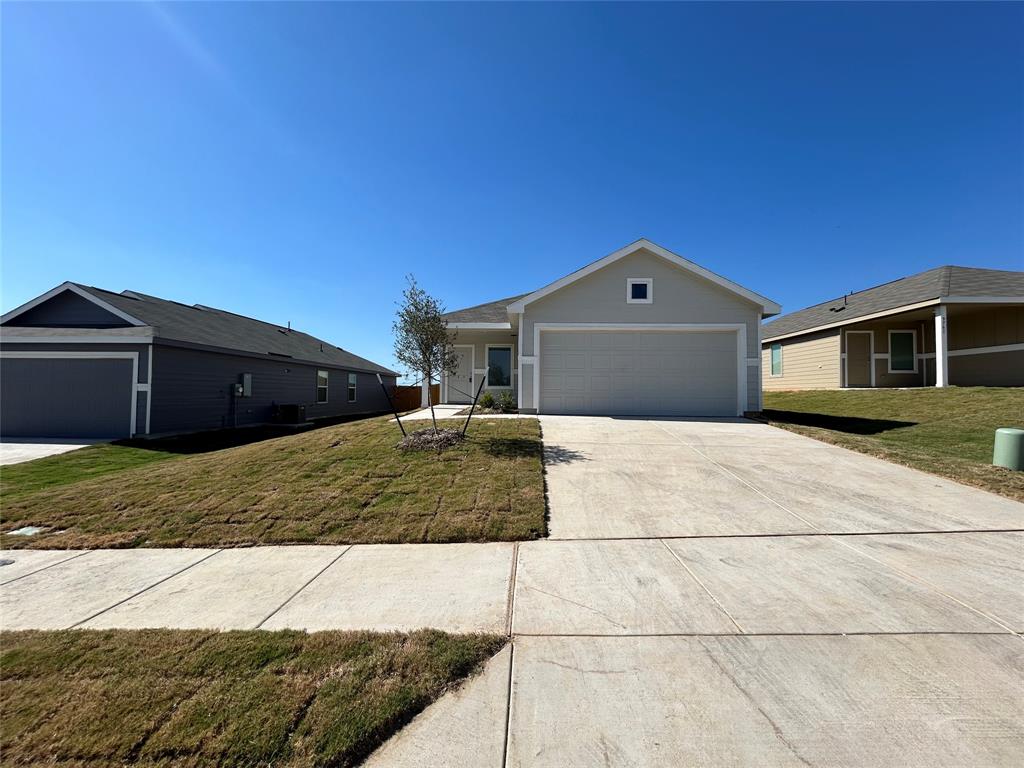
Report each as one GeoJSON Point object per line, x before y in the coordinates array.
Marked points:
{"type": "Point", "coordinates": [207, 326]}
{"type": "Point", "coordinates": [497, 312]}
{"type": "Point", "coordinates": [768, 307]}
{"type": "Point", "coordinates": [933, 285]}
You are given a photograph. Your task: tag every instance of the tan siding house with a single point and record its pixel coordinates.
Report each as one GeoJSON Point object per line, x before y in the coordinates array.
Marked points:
{"type": "Point", "coordinates": [809, 362]}
{"type": "Point", "coordinates": [947, 326]}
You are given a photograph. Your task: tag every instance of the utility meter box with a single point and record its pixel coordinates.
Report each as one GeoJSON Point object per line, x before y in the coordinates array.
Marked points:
{"type": "Point", "coordinates": [244, 388]}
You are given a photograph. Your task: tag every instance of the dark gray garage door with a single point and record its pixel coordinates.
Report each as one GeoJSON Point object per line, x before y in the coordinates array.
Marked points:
{"type": "Point", "coordinates": [65, 397]}
{"type": "Point", "coordinates": [663, 373]}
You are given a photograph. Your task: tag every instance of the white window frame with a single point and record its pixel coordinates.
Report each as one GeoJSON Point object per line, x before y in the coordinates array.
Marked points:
{"type": "Point", "coordinates": [631, 281]}
{"type": "Point", "coordinates": [771, 361]}
{"type": "Point", "coordinates": [353, 387]}
{"type": "Point", "coordinates": [511, 365]}
{"type": "Point", "coordinates": [326, 388]}
{"type": "Point", "coordinates": [913, 333]}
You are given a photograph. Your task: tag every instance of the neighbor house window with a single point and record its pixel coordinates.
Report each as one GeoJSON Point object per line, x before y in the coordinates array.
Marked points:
{"type": "Point", "coordinates": [902, 352]}
{"type": "Point", "coordinates": [321, 386]}
{"type": "Point", "coordinates": [639, 290]}
{"type": "Point", "coordinates": [776, 359]}
{"type": "Point", "coordinates": [499, 366]}
{"type": "Point", "coordinates": [352, 387]}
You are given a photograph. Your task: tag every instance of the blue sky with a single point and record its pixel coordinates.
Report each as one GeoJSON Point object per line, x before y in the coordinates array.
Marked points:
{"type": "Point", "coordinates": [295, 161]}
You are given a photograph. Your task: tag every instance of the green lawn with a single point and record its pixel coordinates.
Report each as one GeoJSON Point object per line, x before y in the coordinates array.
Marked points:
{"type": "Point", "coordinates": [175, 697]}
{"type": "Point", "coordinates": [947, 431]}
{"type": "Point", "coordinates": [340, 484]}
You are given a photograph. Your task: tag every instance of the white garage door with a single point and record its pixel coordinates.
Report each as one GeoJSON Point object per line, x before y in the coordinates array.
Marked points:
{"type": "Point", "coordinates": [649, 373]}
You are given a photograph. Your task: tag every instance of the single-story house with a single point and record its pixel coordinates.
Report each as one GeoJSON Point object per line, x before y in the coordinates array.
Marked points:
{"type": "Point", "coordinates": [642, 331]}
{"type": "Point", "coordinates": [946, 326]}
{"type": "Point", "coordinates": [81, 362]}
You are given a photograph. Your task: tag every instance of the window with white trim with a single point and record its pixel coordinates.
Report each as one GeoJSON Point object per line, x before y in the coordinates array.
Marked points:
{"type": "Point", "coordinates": [776, 352]}
{"type": "Point", "coordinates": [902, 352]}
{"type": "Point", "coordinates": [321, 386]}
{"type": "Point", "coordinates": [352, 379]}
{"type": "Point", "coordinates": [499, 366]}
{"type": "Point", "coordinates": [639, 290]}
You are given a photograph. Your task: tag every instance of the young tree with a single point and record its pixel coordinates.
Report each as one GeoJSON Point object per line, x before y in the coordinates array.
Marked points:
{"type": "Point", "coordinates": [421, 338]}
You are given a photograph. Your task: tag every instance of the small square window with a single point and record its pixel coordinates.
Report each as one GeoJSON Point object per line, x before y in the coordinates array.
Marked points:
{"type": "Point", "coordinates": [639, 290]}
{"type": "Point", "coordinates": [352, 379]}
{"type": "Point", "coordinates": [321, 386]}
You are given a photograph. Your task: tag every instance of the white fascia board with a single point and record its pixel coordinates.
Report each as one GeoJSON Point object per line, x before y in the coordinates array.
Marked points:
{"type": "Point", "coordinates": [481, 326]}
{"type": "Point", "coordinates": [74, 289]}
{"type": "Point", "coordinates": [852, 320]}
{"type": "Point", "coordinates": [768, 307]}
{"type": "Point", "coordinates": [982, 300]}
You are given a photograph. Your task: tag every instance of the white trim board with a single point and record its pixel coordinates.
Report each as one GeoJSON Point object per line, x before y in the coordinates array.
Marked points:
{"type": "Point", "coordinates": [768, 307]}
{"type": "Point", "coordinates": [133, 356]}
{"type": "Point", "coordinates": [740, 329]}
{"type": "Point", "coordinates": [481, 326]}
{"type": "Point", "coordinates": [69, 286]}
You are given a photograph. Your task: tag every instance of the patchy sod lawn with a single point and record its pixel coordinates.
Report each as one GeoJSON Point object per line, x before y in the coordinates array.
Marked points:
{"type": "Point", "coordinates": [207, 698]}
{"type": "Point", "coordinates": [946, 431]}
{"type": "Point", "coordinates": [341, 484]}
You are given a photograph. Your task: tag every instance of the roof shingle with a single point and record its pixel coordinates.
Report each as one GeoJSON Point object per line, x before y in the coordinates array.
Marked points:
{"type": "Point", "coordinates": [924, 286]}
{"type": "Point", "coordinates": [218, 328]}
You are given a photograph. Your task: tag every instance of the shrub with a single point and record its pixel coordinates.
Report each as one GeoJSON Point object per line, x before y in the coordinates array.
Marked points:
{"type": "Point", "coordinates": [505, 402]}
{"type": "Point", "coordinates": [486, 400]}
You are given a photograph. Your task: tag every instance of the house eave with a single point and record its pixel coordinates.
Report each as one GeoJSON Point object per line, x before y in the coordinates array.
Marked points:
{"type": "Point", "coordinates": [850, 321]}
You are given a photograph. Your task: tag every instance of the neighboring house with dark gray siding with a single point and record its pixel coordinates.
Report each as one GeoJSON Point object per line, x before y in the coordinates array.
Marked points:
{"type": "Point", "coordinates": [82, 362]}
{"type": "Point", "coordinates": [948, 326]}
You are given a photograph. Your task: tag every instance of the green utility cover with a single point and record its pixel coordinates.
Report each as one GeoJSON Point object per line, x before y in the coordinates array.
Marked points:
{"type": "Point", "coordinates": [1009, 448]}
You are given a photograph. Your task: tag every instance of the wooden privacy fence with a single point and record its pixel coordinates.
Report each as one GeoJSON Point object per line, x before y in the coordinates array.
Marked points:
{"type": "Point", "coordinates": [407, 398]}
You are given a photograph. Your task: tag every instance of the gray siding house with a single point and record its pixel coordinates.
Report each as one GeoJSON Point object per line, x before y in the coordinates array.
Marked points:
{"type": "Point", "coordinates": [948, 326]}
{"type": "Point", "coordinates": [641, 331]}
{"type": "Point", "coordinates": [81, 362]}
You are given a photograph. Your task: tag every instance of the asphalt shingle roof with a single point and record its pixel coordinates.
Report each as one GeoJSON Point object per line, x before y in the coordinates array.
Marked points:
{"type": "Point", "coordinates": [932, 284]}
{"type": "Point", "coordinates": [217, 328]}
{"type": "Point", "coordinates": [491, 312]}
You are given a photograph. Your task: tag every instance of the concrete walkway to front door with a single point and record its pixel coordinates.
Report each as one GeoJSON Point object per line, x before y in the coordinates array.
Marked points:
{"type": "Point", "coordinates": [714, 593]}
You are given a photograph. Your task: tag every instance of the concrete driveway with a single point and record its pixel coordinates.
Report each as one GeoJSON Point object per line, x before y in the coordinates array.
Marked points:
{"type": "Point", "coordinates": [715, 593]}
{"type": "Point", "coordinates": [18, 450]}
{"type": "Point", "coordinates": [723, 593]}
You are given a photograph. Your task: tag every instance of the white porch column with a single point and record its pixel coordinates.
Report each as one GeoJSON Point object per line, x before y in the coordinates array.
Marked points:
{"type": "Point", "coordinates": [941, 348]}
{"type": "Point", "coordinates": [425, 394]}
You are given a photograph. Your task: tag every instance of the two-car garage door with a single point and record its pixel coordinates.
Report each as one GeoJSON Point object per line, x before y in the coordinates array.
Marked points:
{"type": "Point", "coordinates": [655, 373]}
{"type": "Point", "coordinates": [72, 397]}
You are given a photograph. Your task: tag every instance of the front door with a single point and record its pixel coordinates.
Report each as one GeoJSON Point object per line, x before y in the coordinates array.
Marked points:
{"type": "Point", "coordinates": [460, 383]}
{"type": "Point", "coordinates": [858, 359]}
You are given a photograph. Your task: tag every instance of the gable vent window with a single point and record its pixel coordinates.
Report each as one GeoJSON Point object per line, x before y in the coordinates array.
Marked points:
{"type": "Point", "coordinates": [639, 290]}
{"type": "Point", "coordinates": [321, 386]}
